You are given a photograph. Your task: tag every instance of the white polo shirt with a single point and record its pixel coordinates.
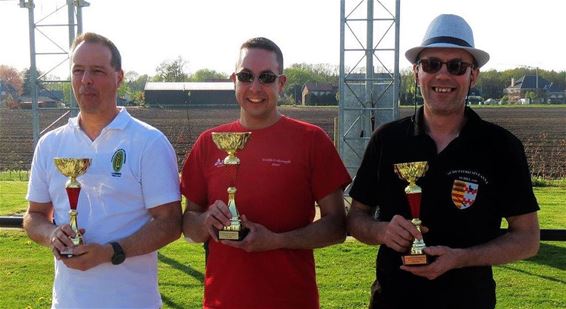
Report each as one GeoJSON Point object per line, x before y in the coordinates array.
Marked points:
{"type": "Point", "coordinates": [134, 168]}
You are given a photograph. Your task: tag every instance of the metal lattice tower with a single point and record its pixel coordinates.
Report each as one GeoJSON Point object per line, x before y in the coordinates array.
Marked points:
{"type": "Point", "coordinates": [369, 73]}
{"type": "Point", "coordinates": [53, 45]}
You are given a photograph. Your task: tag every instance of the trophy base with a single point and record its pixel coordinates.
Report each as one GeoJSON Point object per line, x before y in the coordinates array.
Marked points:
{"type": "Point", "coordinates": [68, 252]}
{"type": "Point", "coordinates": [415, 259]}
{"type": "Point", "coordinates": [232, 235]}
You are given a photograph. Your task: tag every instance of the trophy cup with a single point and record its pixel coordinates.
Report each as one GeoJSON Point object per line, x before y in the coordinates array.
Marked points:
{"type": "Point", "coordinates": [410, 172]}
{"type": "Point", "coordinates": [72, 168]}
{"type": "Point", "coordinates": [232, 142]}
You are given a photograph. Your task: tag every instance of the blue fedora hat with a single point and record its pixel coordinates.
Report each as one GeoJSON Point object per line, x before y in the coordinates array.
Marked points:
{"type": "Point", "coordinates": [449, 31]}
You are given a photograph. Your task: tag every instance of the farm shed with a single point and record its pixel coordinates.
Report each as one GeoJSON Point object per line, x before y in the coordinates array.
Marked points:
{"type": "Point", "coordinates": [189, 94]}
{"type": "Point", "coordinates": [319, 94]}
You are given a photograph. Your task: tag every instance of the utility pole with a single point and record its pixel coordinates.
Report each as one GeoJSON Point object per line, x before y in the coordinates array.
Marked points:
{"type": "Point", "coordinates": [33, 69]}
{"type": "Point", "coordinates": [73, 30]}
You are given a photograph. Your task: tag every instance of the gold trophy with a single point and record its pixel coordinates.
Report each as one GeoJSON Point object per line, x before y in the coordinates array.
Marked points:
{"type": "Point", "coordinates": [72, 168]}
{"type": "Point", "coordinates": [232, 142]}
{"type": "Point", "coordinates": [410, 172]}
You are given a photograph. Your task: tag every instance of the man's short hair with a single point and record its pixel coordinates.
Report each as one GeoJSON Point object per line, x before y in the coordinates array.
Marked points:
{"type": "Point", "coordinates": [91, 37]}
{"type": "Point", "coordinates": [265, 44]}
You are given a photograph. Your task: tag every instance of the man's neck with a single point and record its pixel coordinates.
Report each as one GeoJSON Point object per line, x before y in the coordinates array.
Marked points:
{"type": "Point", "coordinates": [255, 123]}
{"type": "Point", "coordinates": [93, 123]}
{"type": "Point", "coordinates": [443, 128]}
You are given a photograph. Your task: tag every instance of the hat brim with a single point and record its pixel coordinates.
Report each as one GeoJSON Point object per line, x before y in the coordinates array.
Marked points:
{"type": "Point", "coordinates": [481, 56]}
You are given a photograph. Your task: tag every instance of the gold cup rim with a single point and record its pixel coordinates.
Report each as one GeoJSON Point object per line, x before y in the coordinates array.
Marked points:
{"type": "Point", "coordinates": [72, 167]}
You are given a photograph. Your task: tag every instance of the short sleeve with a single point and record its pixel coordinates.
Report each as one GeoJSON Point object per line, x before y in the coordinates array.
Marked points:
{"type": "Point", "coordinates": [160, 176]}
{"type": "Point", "coordinates": [38, 187]}
{"type": "Point", "coordinates": [193, 182]}
{"type": "Point", "coordinates": [328, 173]}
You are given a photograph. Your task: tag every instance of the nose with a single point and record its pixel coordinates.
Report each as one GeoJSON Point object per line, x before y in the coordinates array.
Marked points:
{"type": "Point", "coordinates": [443, 72]}
{"type": "Point", "coordinates": [86, 78]}
{"type": "Point", "coordinates": [255, 84]}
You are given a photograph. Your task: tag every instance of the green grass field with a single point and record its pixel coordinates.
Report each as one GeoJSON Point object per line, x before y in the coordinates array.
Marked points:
{"type": "Point", "coordinates": [345, 272]}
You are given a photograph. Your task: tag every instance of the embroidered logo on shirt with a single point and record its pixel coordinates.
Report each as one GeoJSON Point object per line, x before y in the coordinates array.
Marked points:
{"type": "Point", "coordinates": [464, 193]}
{"type": "Point", "coordinates": [118, 161]}
{"type": "Point", "coordinates": [219, 163]}
{"type": "Point", "coordinates": [276, 162]}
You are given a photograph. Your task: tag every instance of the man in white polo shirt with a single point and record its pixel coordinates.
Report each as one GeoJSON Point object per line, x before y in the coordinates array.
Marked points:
{"type": "Point", "coordinates": [129, 203]}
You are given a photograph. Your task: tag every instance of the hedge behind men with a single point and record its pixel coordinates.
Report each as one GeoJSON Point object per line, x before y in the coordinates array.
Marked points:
{"type": "Point", "coordinates": [129, 204]}
{"type": "Point", "coordinates": [478, 175]}
{"type": "Point", "coordinates": [285, 167]}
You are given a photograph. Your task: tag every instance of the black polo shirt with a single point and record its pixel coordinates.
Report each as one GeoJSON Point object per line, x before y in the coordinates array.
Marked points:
{"type": "Point", "coordinates": [479, 178]}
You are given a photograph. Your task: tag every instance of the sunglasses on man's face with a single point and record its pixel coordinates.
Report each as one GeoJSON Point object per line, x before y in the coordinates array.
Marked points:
{"type": "Point", "coordinates": [267, 77]}
{"type": "Point", "coordinates": [454, 66]}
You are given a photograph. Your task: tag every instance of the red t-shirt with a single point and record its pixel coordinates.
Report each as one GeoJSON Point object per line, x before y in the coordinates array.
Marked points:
{"type": "Point", "coordinates": [283, 170]}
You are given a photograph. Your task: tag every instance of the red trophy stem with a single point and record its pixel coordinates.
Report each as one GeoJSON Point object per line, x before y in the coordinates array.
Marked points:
{"type": "Point", "coordinates": [415, 204]}
{"type": "Point", "coordinates": [73, 194]}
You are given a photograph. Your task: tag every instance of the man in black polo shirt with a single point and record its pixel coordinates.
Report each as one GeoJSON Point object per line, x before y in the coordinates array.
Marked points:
{"type": "Point", "coordinates": [477, 174]}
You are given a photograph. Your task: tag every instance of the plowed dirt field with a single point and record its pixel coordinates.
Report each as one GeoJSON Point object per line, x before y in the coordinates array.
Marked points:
{"type": "Point", "coordinates": [542, 130]}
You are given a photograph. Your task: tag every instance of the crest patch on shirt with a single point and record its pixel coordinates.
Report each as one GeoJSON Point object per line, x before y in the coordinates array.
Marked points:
{"type": "Point", "coordinates": [118, 161]}
{"type": "Point", "coordinates": [464, 193]}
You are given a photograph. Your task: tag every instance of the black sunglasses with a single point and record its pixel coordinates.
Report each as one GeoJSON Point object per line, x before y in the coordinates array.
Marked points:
{"type": "Point", "coordinates": [454, 66]}
{"type": "Point", "coordinates": [267, 77]}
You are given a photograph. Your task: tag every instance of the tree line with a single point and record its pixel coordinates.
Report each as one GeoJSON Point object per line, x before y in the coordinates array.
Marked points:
{"type": "Point", "coordinates": [491, 83]}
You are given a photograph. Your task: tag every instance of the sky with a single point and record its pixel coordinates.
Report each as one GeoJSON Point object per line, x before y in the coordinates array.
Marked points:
{"type": "Point", "coordinates": [208, 33]}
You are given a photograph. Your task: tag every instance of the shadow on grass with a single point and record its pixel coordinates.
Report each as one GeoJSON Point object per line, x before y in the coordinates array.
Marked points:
{"type": "Point", "coordinates": [168, 302]}
{"type": "Point", "coordinates": [551, 256]}
{"type": "Point", "coordinates": [553, 279]}
{"type": "Point", "coordinates": [179, 266]}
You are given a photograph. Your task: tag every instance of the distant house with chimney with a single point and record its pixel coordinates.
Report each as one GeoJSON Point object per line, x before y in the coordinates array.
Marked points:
{"type": "Point", "coordinates": [544, 90]}
{"type": "Point", "coordinates": [319, 94]}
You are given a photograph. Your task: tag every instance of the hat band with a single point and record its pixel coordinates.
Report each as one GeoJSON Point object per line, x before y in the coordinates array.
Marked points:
{"type": "Point", "coordinates": [446, 39]}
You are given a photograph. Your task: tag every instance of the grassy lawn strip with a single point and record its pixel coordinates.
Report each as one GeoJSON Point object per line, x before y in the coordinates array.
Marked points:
{"type": "Point", "coordinates": [344, 273]}
{"type": "Point", "coordinates": [13, 197]}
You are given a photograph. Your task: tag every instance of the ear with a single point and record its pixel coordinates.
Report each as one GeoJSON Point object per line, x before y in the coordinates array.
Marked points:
{"type": "Point", "coordinates": [120, 78]}
{"type": "Point", "coordinates": [416, 73]}
{"type": "Point", "coordinates": [474, 77]}
{"type": "Point", "coordinates": [282, 80]}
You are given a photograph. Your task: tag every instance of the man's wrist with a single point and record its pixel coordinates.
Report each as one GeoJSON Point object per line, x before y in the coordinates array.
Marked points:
{"type": "Point", "coordinates": [118, 254]}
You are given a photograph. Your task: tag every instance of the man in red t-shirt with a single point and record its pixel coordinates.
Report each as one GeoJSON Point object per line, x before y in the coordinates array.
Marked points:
{"type": "Point", "coordinates": [285, 167]}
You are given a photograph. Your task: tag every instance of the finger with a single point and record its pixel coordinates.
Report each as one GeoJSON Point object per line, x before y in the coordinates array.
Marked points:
{"type": "Point", "coordinates": [401, 227]}
{"type": "Point", "coordinates": [55, 252]}
{"type": "Point", "coordinates": [225, 212]}
{"type": "Point", "coordinates": [217, 223]}
{"type": "Point", "coordinates": [399, 246]}
{"type": "Point", "coordinates": [398, 235]}
{"type": "Point", "coordinates": [214, 218]}
{"type": "Point", "coordinates": [221, 214]}
{"type": "Point", "coordinates": [233, 243]}
{"type": "Point", "coordinates": [247, 223]}
{"type": "Point", "coordinates": [65, 234]}
{"type": "Point", "coordinates": [411, 229]}
{"type": "Point", "coordinates": [59, 240]}
{"type": "Point", "coordinates": [212, 232]}
{"type": "Point", "coordinates": [435, 250]}
{"type": "Point", "coordinates": [79, 250]}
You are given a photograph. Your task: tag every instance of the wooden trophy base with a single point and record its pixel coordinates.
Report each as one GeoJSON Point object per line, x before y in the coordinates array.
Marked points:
{"type": "Point", "coordinates": [415, 259]}
{"type": "Point", "coordinates": [232, 235]}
